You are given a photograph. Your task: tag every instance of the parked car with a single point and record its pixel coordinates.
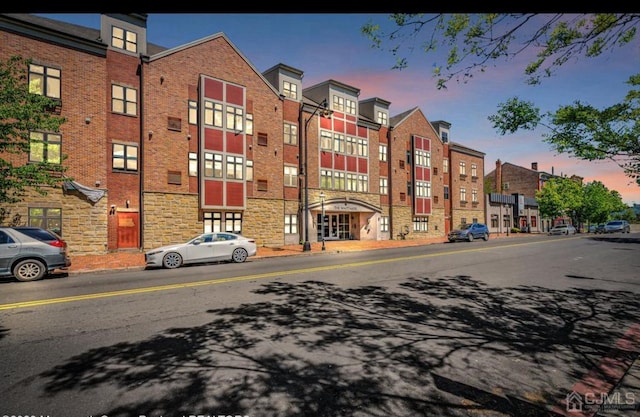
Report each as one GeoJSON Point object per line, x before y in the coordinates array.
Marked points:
{"type": "Point", "coordinates": [596, 228]}
{"type": "Point", "coordinates": [469, 231]}
{"type": "Point", "coordinates": [563, 229]}
{"type": "Point", "coordinates": [30, 253]}
{"type": "Point", "coordinates": [207, 247]}
{"type": "Point", "coordinates": [617, 226]}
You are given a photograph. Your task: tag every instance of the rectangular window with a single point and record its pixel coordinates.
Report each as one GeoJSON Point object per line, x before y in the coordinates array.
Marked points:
{"type": "Point", "coordinates": [403, 197]}
{"type": "Point", "coordinates": [193, 112]}
{"type": "Point", "coordinates": [45, 147]}
{"type": "Point", "coordinates": [212, 165]}
{"type": "Point", "coordinates": [44, 81]}
{"type": "Point", "coordinates": [212, 114]}
{"type": "Point", "coordinates": [463, 220]}
{"type": "Point", "coordinates": [423, 189]}
{"type": "Point", "coordinates": [463, 168]}
{"type": "Point", "coordinates": [290, 134]}
{"type": "Point", "coordinates": [326, 179]}
{"type": "Point", "coordinates": [124, 39]}
{"type": "Point", "coordinates": [381, 118]}
{"type": "Point", "coordinates": [382, 150]}
{"type": "Point", "coordinates": [263, 185]}
{"type": "Point", "coordinates": [474, 170]}
{"type": "Point", "coordinates": [352, 145]}
{"type": "Point", "coordinates": [363, 183]}
{"type": "Point", "coordinates": [534, 222]}
{"type": "Point", "coordinates": [325, 140]}
{"type": "Point", "coordinates": [338, 180]}
{"type": "Point", "coordinates": [212, 222]}
{"type": "Point", "coordinates": [235, 116]}
{"type": "Point", "coordinates": [474, 196]}
{"type": "Point", "coordinates": [233, 222]}
{"type": "Point", "coordinates": [420, 224]}
{"type": "Point", "coordinates": [494, 221]}
{"type": "Point", "coordinates": [446, 192]}
{"type": "Point", "coordinates": [463, 195]}
{"type": "Point", "coordinates": [125, 157]}
{"type": "Point", "coordinates": [290, 223]}
{"type": "Point", "coordinates": [363, 147]}
{"type": "Point", "coordinates": [445, 166]}
{"type": "Point", "coordinates": [352, 182]}
{"type": "Point", "coordinates": [290, 176]}
{"type": "Point", "coordinates": [48, 218]}
{"type": "Point", "coordinates": [384, 223]}
{"type": "Point", "coordinates": [338, 142]}
{"type": "Point", "coordinates": [350, 107]}
{"type": "Point", "coordinates": [174, 123]}
{"type": "Point", "coordinates": [193, 164]}
{"type": "Point", "coordinates": [384, 186]}
{"type": "Point", "coordinates": [249, 176]}
{"type": "Point", "coordinates": [234, 167]}
{"type": "Point", "coordinates": [124, 100]}
{"type": "Point", "coordinates": [249, 127]}
{"type": "Point", "coordinates": [290, 90]}
{"type": "Point", "coordinates": [338, 103]}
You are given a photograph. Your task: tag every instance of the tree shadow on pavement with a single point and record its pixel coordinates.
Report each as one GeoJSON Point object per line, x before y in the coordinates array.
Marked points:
{"type": "Point", "coordinates": [429, 347]}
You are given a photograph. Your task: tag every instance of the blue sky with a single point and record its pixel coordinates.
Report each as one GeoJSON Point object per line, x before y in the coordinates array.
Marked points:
{"type": "Point", "coordinates": [331, 46]}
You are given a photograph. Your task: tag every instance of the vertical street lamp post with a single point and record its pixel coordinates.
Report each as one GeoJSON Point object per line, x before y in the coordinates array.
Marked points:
{"type": "Point", "coordinates": [325, 112]}
{"type": "Point", "coordinates": [322, 215]}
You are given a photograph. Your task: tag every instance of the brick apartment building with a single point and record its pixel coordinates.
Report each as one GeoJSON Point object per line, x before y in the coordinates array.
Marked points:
{"type": "Point", "coordinates": [164, 144]}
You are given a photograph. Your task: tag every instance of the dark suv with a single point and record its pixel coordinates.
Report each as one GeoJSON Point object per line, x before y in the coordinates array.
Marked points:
{"type": "Point", "coordinates": [469, 232]}
{"type": "Point", "coordinates": [29, 253]}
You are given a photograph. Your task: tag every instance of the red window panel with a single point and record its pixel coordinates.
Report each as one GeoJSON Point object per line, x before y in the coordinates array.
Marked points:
{"type": "Point", "coordinates": [235, 95]}
{"type": "Point", "coordinates": [352, 164]}
{"type": "Point", "coordinates": [351, 128]}
{"type": "Point", "coordinates": [235, 194]}
{"type": "Point", "coordinates": [362, 132]}
{"type": "Point", "coordinates": [235, 143]}
{"type": "Point", "coordinates": [338, 161]}
{"type": "Point", "coordinates": [213, 193]}
{"type": "Point", "coordinates": [213, 89]}
{"type": "Point", "coordinates": [338, 126]}
{"type": "Point", "coordinates": [213, 139]}
{"type": "Point", "coordinates": [362, 165]}
{"type": "Point", "coordinates": [325, 123]}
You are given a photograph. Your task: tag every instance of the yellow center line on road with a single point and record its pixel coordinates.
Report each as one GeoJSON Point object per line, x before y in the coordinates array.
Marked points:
{"type": "Point", "coordinates": [49, 301]}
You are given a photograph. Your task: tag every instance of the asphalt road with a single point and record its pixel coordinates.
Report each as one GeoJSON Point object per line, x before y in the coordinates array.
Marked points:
{"type": "Point", "coordinates": [491, 328]}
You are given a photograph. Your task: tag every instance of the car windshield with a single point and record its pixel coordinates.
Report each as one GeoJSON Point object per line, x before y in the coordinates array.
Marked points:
{"type": "Point", "coordinates": [615, 223]}
{"type": "Point", "coordinates": [465, 226]}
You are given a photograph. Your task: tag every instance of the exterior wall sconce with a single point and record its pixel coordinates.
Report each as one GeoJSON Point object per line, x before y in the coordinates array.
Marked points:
{"type": "Point", "coordinates": [188, 137]}
{"type": "Point", "coordinates": [150, 134]}
{"type": "Point", "coordinates": [87, 120]}
{"type": "Point", "coordinates": [98, 183]}
{"type": "Point", "coordinates": [161, 79]}
{"type": "Point", "coordinates": [113, 210]}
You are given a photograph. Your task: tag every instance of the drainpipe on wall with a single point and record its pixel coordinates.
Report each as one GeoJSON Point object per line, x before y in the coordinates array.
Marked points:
{"type": "Point", "coordinates": [141, 159]}
{"type": "Point", "coordinates": [390, 179]}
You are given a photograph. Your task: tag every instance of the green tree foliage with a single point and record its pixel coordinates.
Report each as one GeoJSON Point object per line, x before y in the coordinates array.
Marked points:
{"type": "Point", "coordinates": [473, 42]}
{"type": "Point", "coordinates": [20, 114]}
{"type": "Point", "coordinates": [588, 203]}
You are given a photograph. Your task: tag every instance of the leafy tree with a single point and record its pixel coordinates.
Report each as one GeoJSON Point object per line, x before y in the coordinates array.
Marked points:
{"type": "Point", "coordinates": [474, 41]}
{"type": "Point", "coordinates": [561, 197]}
{"type": "Point", "coordinates": [583, 131]}
{"type": "Point", "coordinates": [22, 113]}
{"type": "Point", "coordinates": [599, 202]}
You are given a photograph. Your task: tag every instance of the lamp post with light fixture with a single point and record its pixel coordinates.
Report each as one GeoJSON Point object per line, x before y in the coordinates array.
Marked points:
{"type": "Point", "coordinates": [325, 113]}
{"type": "Point", "coordinates": [322, 196]}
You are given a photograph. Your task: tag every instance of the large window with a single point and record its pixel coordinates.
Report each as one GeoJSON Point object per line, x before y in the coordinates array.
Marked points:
{"type": "Point", "coordinates": [248, 129]}
{"type": "Point", "coordinates": [384, 186]}
{"type": "Point", "coordinates": [235, 117]}
{"type": "Point", "coordinates": [338, 103]}
{"type": "Point", "coordinates": [44, 81]}
{"type": "Point", "coordinates": [474, 170]}
{"type": "Point", "coordinates": [463, 195]}
{"type": "Point", "coordinates": [290, 176]}
{"type": "Point", "coordinates": [350, 107]}
{"type": "Point", "coordinates": [326, 141]}
{"type": "Point", "coordinates": [463, 168]}
{"type": "Point", "coordinates": [193, 164]}
{"type": "Point", "coordinates": [212, 165]}
{"type": "Point", "coordinates": [124, 39]}
{"type": "Point", "coordinates": [382, 150]}
{"type": "Point", "coordinates": [212, 114]}
{"type": "Point", "coordinates": [45, 147]}
{"type": "Point", "coordinates": [46, 218]}
{"type": "Point", "coordinates": [338, 142]}
{"type": "Point", "coordinates": [212, 222]}
{"type": "Point", "coordinates": [290, 134]}
{"type": "Point", "coordinates": [420, 224]}
{"type": "Point", "coordinates": [384, 223]}
{"type": "Point", "coordinates": [124, 100]}
{"type": "Point", "coordinates": [125, 157]}
{"type": "Point", "coordinates": [381, 118]}
{"type": "Point", "coordinates": [249, 176]}
{"type": "Point", "coordinates": [326, 179]}
{"type": "Point", "coordinates": [363, 147]}
{"type": "Point", "coordinates": [233, 222]}
{"type": "Point", "coordinates": [474, 196]}
{"type": "Point", "coordinates": [290, 223]}
{"type": "Point", "coordinates": [445, 165]}
{"type": "Point", "coordinates": [193, 112]}
{"type": "Point", "coordinates": [290, 90]}
{"type": "Point", "coordinates": [234, 167]}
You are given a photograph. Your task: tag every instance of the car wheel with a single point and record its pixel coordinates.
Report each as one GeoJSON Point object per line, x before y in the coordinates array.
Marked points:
{"type": "Point", "coordinates": [451, 240]}
{"type": "Point", "coordinates": [470, 237]}
{"type": "Point", "coordinates": [172, 260]}
{"type": "Point", "coordinates": [486, 237]}
{"type": "Point", "coordinates": [239, 255]}
{"type": "Point", "coordinates": [29, 270]}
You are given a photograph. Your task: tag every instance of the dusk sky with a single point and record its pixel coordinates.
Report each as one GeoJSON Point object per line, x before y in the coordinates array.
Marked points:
{"type": "Point", "coordinates": [331, 46]}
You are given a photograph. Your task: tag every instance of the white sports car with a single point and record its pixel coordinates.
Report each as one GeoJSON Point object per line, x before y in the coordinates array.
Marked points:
{"type": "Point", "coordinates": [207, 247]}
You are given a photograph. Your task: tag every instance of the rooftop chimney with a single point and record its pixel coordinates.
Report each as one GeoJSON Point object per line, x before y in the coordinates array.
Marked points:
{"type": "Point", "coordinates": [534, 166]}
{"type": "Point", "coordinates": [499, 176]}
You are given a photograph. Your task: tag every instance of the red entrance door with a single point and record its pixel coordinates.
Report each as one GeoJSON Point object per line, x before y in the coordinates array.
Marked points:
{"type": "Point", "coordinates": [127, 230]}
